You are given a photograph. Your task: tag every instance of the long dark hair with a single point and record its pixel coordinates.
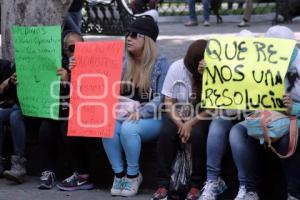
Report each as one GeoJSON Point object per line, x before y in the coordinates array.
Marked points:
{"type": "Point", "coordinates": [194, 55]}
{"type": "Point", "coordinates": [292, 75]}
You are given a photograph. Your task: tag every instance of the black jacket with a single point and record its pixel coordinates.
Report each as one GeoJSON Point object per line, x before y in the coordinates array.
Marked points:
{"type": "Point", "coordinates": [9, 96]}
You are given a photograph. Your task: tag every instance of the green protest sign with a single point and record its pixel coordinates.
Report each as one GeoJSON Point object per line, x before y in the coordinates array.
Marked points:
{"type": "Point", "coordinates": [38, 56]}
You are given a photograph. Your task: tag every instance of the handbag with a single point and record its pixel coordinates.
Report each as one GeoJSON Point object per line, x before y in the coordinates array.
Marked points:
{"type": "Point", "coordinates": [125, 107]}
{"type": "Point", "coordinates": [269, 126]}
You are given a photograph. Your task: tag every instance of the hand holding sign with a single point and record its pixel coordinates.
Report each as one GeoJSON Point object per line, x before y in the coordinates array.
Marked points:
{"type": "Point", "coordinates": [201, 67]}
{"type": "Point", "coordinates": [64, 74]}
{"type": "Point", "coordinates": [72, 63]}
{"type": "Point", "coordinates": [13, 79]}
{"type": "Point", "coordinates": [287, 102]}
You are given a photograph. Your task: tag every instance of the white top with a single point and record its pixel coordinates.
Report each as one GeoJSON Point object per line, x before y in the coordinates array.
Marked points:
{"type": "Point", "coordinates": [178, 82]}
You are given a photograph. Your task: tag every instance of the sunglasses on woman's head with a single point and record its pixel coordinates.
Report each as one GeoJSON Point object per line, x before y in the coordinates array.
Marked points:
{"type": "Point", "coordinates": [134, 35]}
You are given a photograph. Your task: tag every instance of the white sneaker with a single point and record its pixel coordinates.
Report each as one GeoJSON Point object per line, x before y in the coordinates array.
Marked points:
{"type": "Point", "coordinates": [213, 189]}
{"type": "Point", "coordinates": [206, 23]}
{"type": "Point", "coordinates": [242, 193]}
{"type": "Point", "coordinates": [243, 24]}
{"type": "Point", "coordinates": [251, 196]}
{"type": "Point", "coordinates": [131, 186]}
{"type": "Point", "coordinates": [117, 187]}
{"type": "Point", "coordinates": [290, 197]}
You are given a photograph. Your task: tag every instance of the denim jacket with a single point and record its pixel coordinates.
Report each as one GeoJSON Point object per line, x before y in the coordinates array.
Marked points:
{"type": "Point", "coordinates": [159, 73]}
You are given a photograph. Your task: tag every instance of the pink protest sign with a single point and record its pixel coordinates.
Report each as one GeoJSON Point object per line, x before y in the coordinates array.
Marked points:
{"type": "Point", "coordinates": [95, 88]}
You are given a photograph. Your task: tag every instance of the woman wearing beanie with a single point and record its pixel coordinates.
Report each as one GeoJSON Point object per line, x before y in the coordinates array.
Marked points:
{"type": "Point", "coordinates": [182, 89]}
{"type": "Point", "coordinates": [144, 71]}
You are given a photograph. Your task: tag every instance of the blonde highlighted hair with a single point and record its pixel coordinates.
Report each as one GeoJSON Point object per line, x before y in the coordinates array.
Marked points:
{"type": "Point", "coordinates": [148, 60]}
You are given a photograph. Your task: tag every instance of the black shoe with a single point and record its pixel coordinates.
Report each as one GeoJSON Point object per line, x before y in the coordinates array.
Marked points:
{"type": "Point", "coordinates": [2, 164]}
{"type": "Point", "coordinates": [75, 182]}
{"type": "Point", "coordinates": [47, 180]}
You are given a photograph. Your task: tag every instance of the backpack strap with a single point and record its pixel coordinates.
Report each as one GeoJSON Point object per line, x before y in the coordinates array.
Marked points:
{"type": "Point", "coordinates": [293, 135]}
{"type": "Point", "coordinates": [264, 123]}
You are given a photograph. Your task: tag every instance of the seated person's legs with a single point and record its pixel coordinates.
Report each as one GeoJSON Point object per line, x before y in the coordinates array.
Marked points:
{"type": "Point", "coordinates": [132, 136]}
{"type": "Point", "coordinates": [77, 154]}
{"type": "Point", "coordinates": [113, 150]}
{"type": "Point", "coordinates": [217, 142]}
{"type": "Point", "coordinates": [17, 126]}
{"type": "Point", "coordinates": [198, 148]}
{"type": "Point", "coordinates": [291, 167]}
{"type": "Point", "coordinates": [49, 135]}
{"type": "Point", "coordinates": [246, 153]}
{"type": "Point", "coordinates": [4, 117]}
{"type": "Point", "coordinates": [167, 146]}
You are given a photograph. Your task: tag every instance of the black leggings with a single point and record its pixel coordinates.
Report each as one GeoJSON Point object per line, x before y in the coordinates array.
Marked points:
{"type": "Point", "coordinates": [168, 144]}
{"type": "Point", "coordinates": [52, 134]}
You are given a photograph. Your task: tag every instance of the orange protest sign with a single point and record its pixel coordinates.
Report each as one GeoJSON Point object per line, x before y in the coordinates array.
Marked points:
{"type": "Point", "coordinates": [95, 88]}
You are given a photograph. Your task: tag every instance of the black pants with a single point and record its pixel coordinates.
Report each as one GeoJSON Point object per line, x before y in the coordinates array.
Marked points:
{"type": "Point", "coordinates": [52, 135]}
{"type": "Point", "coordinates": [168, 144]}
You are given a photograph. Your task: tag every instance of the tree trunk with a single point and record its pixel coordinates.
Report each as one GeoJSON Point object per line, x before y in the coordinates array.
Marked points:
{"type": "Point", "coordinates": [28, 13]}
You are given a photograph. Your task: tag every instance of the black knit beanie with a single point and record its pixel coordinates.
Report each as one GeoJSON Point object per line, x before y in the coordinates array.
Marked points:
{"type": "Point", "coordinates": [144, 25]}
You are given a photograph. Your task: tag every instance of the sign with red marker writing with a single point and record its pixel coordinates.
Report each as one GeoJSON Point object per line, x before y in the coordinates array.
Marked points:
{"type": "Point", "coordinates": [246, 73]}
{"type": "Point", "coordinates": [95, 88]}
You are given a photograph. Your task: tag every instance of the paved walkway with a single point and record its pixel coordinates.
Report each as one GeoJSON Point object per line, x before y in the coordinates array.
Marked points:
{"type": "Point", "coordinates": [29, 191]}
{"type": "Point", "coordinates": [174, 38]}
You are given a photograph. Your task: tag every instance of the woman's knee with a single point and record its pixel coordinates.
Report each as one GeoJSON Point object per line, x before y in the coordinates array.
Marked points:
{"type": "Point", "coordinates": [15, 116]}
{"type": "Point", "coordinates": [129, 129]}
{"type": "Point", "coordinates": [219, 127]}
{"type": "Point", "coordinates": [237, 135]}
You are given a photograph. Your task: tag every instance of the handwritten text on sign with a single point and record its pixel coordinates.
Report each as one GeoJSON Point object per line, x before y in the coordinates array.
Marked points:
{"type": "Point", "coordinates": [95, 82]}
{"type": "Point", "coordinates": [38, 55]}
{"type": "Point", "coordinates": [246, 73]}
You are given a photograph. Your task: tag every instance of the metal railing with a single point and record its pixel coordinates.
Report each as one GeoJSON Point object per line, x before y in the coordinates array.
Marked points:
{"type": "Point", "coordinates": [111, 17]}
{"type": "Point", "coordinates": [235, 7]}
{"type": "Point", "coordinates": [105, 17]}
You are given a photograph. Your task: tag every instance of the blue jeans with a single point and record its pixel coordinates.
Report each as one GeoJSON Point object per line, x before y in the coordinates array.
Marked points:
{"type": "Point", "coordinates": [216, 146]}
{"type": "Point", "coordinates": [290, 166]}
{"type": "Point", "coordinates": [192, 10]}
{"type": "Point", "coordinates": [129, 136]}
{"type": "Point", "coordinates": [15, 119]}
{"type": "Point", "coordinates": [247, 156]}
